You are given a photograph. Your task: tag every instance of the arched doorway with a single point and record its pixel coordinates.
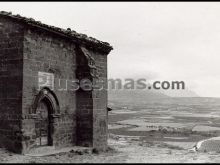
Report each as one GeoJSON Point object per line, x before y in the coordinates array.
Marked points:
{"type": "Point", "coordinates": [43, 124]}
{"type": "Point", "coordinates": [46, 109]}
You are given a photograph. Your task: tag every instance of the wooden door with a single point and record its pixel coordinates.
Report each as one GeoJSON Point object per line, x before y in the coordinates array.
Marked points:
{"type": "Point", "coordinates": [42, 124]}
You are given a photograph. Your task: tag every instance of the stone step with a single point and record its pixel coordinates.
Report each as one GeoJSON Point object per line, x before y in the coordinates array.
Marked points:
{"type": "Point", "coordinates": [51, 150]}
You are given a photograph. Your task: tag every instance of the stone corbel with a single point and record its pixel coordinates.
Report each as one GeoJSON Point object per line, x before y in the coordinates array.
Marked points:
{"type": "Point", "coordinates": [91, 62]}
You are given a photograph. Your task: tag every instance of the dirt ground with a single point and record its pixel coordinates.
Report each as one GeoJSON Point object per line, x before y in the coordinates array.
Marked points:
{"type": "Point", "coordinates": [122, 150]}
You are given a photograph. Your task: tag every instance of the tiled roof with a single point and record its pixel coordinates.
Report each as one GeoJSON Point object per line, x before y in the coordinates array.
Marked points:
{"type": "Point", "coordinates": [78, 37]}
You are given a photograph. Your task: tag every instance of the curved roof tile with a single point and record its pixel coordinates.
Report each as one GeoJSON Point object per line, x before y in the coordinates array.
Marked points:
{"type": "Point", "coordinates": [82, 38]}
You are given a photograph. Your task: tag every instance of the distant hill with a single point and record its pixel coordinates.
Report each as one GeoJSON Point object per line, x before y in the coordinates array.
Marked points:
{"type": "Point", "coordinates": [179, 93]}
{"type": "Point", "coordinates": [135, 96]}
{"type": "Point", "coordinates": [141, 97]}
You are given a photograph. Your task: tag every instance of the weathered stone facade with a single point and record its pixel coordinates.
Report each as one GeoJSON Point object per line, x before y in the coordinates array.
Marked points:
{"type": "Point", "coordinates": [79, 117]}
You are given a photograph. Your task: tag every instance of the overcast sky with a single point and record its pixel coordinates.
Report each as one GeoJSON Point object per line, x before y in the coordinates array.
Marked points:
{"type": "Point", "coordinates": [159, 41]}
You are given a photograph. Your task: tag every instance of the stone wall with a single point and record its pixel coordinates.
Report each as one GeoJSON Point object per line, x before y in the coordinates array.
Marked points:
{"type": "Point", "coordinates": [92, 105]}
{"type": "Point", "coordinates": [11, 61]}
{"type": "Point", "coordinates": [46, 53]}
{"type": "Point", "coordinates": [81, 116]}
{"type": "Point", "coordinates": [100, 123]}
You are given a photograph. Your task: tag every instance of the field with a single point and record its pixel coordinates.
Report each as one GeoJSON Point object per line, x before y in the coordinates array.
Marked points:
{"type": "Point", "coordinates": [158, 131]}
{"type": "Point", "coordinates": [177, 122]}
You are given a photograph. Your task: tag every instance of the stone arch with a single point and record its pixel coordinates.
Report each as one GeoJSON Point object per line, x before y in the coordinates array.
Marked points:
{"type": "Point", "coordinates": [47, 96]}
{"type": "Point", "coordinates": [50, 97]}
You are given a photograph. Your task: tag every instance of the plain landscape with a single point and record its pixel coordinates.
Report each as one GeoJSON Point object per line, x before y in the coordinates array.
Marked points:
{"type": "Point", "coordinates": [160, 130]}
